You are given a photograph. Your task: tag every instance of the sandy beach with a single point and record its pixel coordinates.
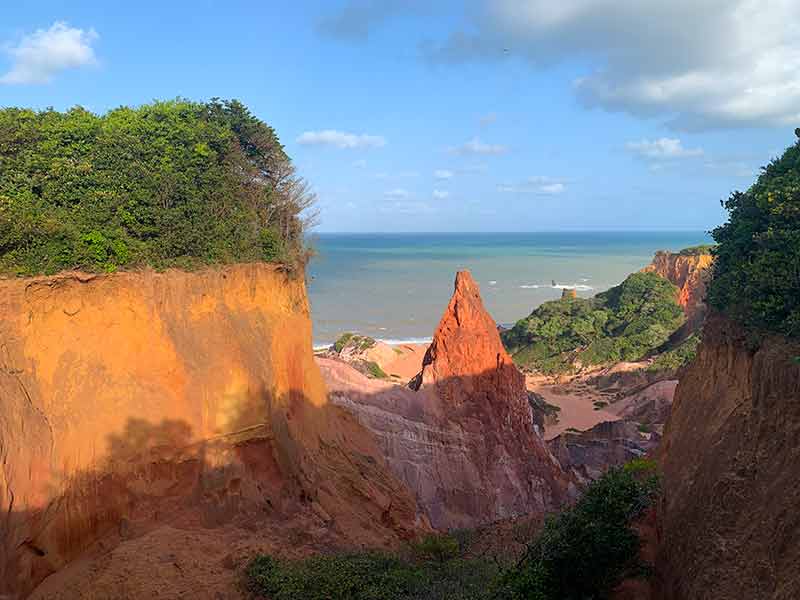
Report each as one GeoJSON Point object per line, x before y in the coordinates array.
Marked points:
{"type": "Point", "coordinates": [576, 401]}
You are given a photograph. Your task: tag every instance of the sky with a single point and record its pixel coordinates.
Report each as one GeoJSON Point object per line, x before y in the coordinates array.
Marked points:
{"type": "Point", "coordinates": [480, 115]}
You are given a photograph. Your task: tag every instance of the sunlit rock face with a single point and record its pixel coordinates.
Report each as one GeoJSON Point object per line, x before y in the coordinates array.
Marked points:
{"type": "Point", "coordinates": [135, 400]}
{"type": "Point", "coordinates": [462, 435]}
{"type": "Point", "coordinates": [690, 274]}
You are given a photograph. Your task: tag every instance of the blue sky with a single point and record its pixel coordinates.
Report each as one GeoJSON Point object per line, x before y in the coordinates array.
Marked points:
{"type": "Point", "coordinates": [486, 115]}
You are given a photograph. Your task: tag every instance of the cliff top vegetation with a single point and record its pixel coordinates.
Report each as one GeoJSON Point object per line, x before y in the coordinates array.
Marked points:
{"type": "Point", "coordinates": [168, 184]}
{"type": "Point", "coordinates": [756, 276]}
{"type": "Point", "coordinates": [626, 322]}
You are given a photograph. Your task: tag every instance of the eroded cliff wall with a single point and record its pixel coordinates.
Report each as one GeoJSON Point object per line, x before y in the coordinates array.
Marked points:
{"type": "Point", "coordinates": [730, 518]}
{"type": "Point", "coordinates": [690, 273]}
{"type": "Point", "coordinates": [181, 398]}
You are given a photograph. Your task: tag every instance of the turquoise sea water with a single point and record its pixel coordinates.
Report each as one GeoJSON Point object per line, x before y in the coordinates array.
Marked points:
{"type": "Point", "coordinates": [396, 286]}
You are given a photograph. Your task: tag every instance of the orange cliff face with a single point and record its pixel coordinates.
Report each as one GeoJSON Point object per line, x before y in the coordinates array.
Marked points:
{"type": "Point", "coordinates": [188, 399]}
{"type": "Point", "coordinates": [463, 438]}
{"type": "Point", "coordinates": [690, 274]}
{"type": "Point", "coordinates": [730, 458]}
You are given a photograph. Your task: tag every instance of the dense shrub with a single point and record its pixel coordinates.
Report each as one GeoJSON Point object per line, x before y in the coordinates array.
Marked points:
{"type": "Point", "coordinates": [757, 267]}
{"type": "Point", "coordinates": [586, 551]}
{"type": "Point", "coordinates": [582, 553]}
{"type": "Point", "coordinates": [358, 343]}
{"type": "Point", "coordinates": [173, 183]}
{"type": "Point", "coordinates": [627, 322]}
{"type": "Point", "coordinates": [697, 250]}
{"type": "Point", "coordinates": [681, 355]}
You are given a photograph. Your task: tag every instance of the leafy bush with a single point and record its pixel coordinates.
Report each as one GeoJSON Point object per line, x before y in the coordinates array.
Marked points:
{"type": "Point", "coordinates": [674, 359]}
{"type": "Point", "coordinates": [756, 278]}
{"type": "Point", "coordinates": [698, 250]}
{"type": "Point", "coordinates": [175, 183]}
{"type": "Point", "coordinates": [375, 370]}
{"type": "Point", "coordinates": [586, 551]}
{"type": "Point", "coordinates": [357, 342]}
{"type": "Point", "coordinates": [627, 322]}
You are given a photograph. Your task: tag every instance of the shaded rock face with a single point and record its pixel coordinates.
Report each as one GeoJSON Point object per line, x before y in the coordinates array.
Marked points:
{"type": "Point", "coordinates": [691, 275]}
{"type": "Point", "coordinates": [462, 436]}
{"type": "Point", "coordinates": [140, 400]}
{"type": "Point", "coordinates": [731, 471]}
{"type": "Point", "coordinates": [588, 454]}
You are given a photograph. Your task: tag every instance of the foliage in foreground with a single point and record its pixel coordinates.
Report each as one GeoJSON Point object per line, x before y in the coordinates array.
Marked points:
{"type": "Point", "coordinates": [582, 553]}
{"type": "Point", "coordinates": [627, 322]}
{"type": "Point", "coordinates": [585, 552]}
{"type": "Point", "coordinates": [175, 183]}
{"type": "Point", "coordinates": [756, 276]}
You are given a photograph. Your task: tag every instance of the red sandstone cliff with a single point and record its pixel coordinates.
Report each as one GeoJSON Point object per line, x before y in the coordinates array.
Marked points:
{"type": "Point", "coordinates": [731, 468]}
{"type": "Point", "coordinates": [179, 413]}
{"type": "Point", "coordinates": [463, 439]}
{"type": "Point", "coordinates": [690, 273]}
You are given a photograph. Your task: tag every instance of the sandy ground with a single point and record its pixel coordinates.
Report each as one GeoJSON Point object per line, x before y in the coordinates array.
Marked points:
{"type": "Point", "coordinates": [408, 362]}
{"type": "Point", "coordinates": [576, 400]}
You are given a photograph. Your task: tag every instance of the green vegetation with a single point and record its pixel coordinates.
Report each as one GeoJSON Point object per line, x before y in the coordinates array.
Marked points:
{"type": "Point", "coordinates": [678, 357]}
{"type": "Point", "coordinates": [627, 322]}
{"type": "Point", "coordinates": [357, 342]}
{"type": "Point", "coordinates": [698, 250]}
{"type": "Point", "coordinates": [757, 267]}
{"type": "Point", "coordinates": [374, 369]}
{"type": "Point", "coordinates": [582, 553]}
{"type": "Point", "coordinates": [586, 551]}
{"type": "Point", "coordinates": [432, 569]}
{"type": "Point", "coordinates": [174, 183]}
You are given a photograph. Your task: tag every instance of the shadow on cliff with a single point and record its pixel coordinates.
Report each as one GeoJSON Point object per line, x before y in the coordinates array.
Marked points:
{"type": "Point", "coordinates": [306, 474]}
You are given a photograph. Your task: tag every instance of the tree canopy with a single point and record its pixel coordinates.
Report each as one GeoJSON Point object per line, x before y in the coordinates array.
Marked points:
{"type": "Point", "coordinates": [757, 266]}
{"type": "Point", "coordinates": [175, 183]}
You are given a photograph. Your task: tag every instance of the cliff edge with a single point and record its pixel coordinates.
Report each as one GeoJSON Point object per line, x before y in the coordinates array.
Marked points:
{"type": "Point", "coordinates": [690, 273]}
{"type": "Point", "coordinates": [190, 401]}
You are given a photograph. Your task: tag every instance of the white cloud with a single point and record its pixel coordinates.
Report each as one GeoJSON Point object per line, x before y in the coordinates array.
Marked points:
{"type": "Point", "coordinates": [475, 146]}
{"type": "Point", "coordinates": [440, 194]}
{"type": "Point", "coordinates": [662, 148]}
{"type": "Point", "coordinates": [443, 174]}
{"type": "Point", "coordinates": [360, 164]}
{"type": "Point", "coordinates": [396, 193]}
{"type": "Point", "coordinates": [340, 139]}
{"type": "Point", "coordinates": [41, 55]}
{"type": "Point", "coordinates": [539, 184]}
{"type": "Point", "coordinates": [699, 65]}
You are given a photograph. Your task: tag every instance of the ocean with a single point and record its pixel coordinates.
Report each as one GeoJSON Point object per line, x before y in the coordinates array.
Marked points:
{"type": "Point", "coordinates": [395, 287]}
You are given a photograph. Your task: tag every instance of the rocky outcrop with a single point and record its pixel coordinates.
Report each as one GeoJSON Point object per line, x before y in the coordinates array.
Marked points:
{"type": "Point", "coordinates": [588, 454]}
{"type": "Point", "coordinates": [134, 403]}
{"type": "Point", "coordinates": [462, 436]}
{"type": "Point", "coordinates": [690, 273]}
{"type": "Point", "coordinates": [731, 470]}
